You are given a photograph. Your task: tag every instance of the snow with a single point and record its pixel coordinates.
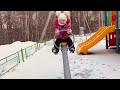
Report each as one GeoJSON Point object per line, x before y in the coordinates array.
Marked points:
{"type": "Point", "coordinates": [6, 50]}
{"type": "Point", "coordinates": [101, 64]}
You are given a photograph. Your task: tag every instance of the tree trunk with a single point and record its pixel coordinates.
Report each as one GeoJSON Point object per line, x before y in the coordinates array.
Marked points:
{"type": "Point", "coordinates": [27, 25]}
{"type": "Point", "coordinates": [24, 38]}
{"type": "Point", "coordinates": [99, 19]}
{"type": "Point", "coordinates": [36, 35]}
{"type": "Point", "coordinates": [79, 23]}
{"type": "Point", "coordinates": [45, 27]}
{"type": "Point", "coordinates": [0, 21]}
{"type": "Point", "coordinates": [31, 25]}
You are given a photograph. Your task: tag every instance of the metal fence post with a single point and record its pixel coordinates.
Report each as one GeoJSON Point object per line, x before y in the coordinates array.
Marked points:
{"type": "Point", "coordinates": [26, 53]}
{"type": "Point", "coordinates": [22, 54]}
{"type": "Point", "coordinates": [18, 58]}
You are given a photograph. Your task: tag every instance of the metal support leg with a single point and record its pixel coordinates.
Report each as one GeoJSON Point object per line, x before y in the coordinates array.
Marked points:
{"type": "Point", "coordinates": [67, 74]}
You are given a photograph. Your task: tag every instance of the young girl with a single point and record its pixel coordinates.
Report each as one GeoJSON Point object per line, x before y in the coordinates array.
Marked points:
{"type": "Point", "coordinates": [62, 22]}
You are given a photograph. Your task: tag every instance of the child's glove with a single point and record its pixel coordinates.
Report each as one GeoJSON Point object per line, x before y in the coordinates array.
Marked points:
{"type": "Point", "coordinates": [57, 32]}
{"type": "Point", "coordinates": [69, 31]}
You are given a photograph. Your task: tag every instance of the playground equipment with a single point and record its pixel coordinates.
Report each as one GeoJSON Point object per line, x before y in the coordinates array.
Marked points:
{"type": "Point", "coordinates": [97, 37]}
{"type": "Point", "coordinates": [66, 67]}
{"type": "Point", "coordinates": [64, 49]}
{"type": "Point", "coordinates": [110, 30]}
{"type": "Point", "coordinates": [113, 38]}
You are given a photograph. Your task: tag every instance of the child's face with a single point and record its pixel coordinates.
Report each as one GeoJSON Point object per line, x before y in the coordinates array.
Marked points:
{"type": "Point", "coordinates": [63, 22]}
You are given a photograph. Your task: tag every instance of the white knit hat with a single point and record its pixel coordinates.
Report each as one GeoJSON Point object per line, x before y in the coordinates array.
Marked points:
{"type": "Point", "coordinates": [57, 13]}
{"type": "Point", "coordinates": [62, 16]}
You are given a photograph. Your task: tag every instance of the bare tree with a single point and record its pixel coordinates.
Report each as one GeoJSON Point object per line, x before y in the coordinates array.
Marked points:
{"type": "Point", "coordinates": [0, 21]}
{"type": "Point", "coordinates": [45, 27]}
{"type": "Point", "coordinates": [27, 25]}
{"type": "Point", "coordinates": [37, 25]}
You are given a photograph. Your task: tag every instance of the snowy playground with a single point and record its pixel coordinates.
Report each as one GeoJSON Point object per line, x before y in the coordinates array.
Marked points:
{"type": "Point", "coordinates": [102, 64]}
{"type": "Point", "coordinates": [97, 56]}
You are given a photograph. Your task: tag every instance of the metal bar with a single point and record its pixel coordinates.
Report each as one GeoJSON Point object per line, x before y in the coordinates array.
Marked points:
{"type": "Point", "coordinates": [117, 33]}
{"type": "Point", "coordinates": [8, 60]}
{"type": "Point", "coordinates": [30, 46]}
{"type": "Point", "coordinates": [9, 55]}
{"type": "Point", "coordinates": [67, 74]}
{"type": "Point", "coordinates": [105, 17]}
{"type": "Point", "coordinates": [18, 58]}
{"type": "Point", "coordinates": [109, 18]}
{"type": "Point", "coordinates": [8, 70]}
{"type": "Point", "coordinates": [26, 54]}
{"type": "Point", "coordinates": [36, 47]}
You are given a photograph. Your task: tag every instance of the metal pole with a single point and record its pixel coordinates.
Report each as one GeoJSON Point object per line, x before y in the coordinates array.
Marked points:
{"type": "Point", "coordinates": [102, 18]}
{"type": "Point", "coordinates": [105, 17]}
{"type": "Point", "coordinates": [66, 67]}
{"type": "Point", "coordinates": [22, 54]}
{"type": "Point", "coordinates": [117, 33]}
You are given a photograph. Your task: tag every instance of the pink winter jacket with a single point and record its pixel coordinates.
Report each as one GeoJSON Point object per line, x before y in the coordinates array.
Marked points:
{"type": "Point", "coordinates": [67, 26]}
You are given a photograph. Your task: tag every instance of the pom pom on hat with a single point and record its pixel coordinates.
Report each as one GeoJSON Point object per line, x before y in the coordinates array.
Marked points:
{"type": "Point", "coordinates": [67, 13]}
{"type": "Point", "coordinates": [58, 13]}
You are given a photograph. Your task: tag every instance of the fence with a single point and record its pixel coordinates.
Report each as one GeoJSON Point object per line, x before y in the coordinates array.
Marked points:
{"type": "Point", "coordinates": [11, 61]}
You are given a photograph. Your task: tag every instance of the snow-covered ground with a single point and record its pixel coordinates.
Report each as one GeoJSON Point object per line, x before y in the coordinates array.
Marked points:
{"type": "Point", "coordinates": [102, 64]}
{"type": "Point", "coordinates": [6, 50]}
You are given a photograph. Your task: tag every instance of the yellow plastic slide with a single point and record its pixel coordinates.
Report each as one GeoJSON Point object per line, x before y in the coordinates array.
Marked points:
{"type": "Point", "coordinates": [97, 32]}
{"type": "Point", "coordinates": [97, 37]}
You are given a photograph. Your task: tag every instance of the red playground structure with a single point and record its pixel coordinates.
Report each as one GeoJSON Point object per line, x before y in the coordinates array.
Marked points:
{"type": "Point", "coordinates": [113, 39]}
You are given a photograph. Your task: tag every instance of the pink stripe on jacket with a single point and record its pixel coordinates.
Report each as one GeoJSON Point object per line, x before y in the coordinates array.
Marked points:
{"type": "Point", "coordinates": [67, 26]}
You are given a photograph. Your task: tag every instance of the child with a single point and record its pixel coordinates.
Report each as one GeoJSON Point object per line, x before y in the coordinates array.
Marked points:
{"type": "Point", "coordinates": [62, 22]}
